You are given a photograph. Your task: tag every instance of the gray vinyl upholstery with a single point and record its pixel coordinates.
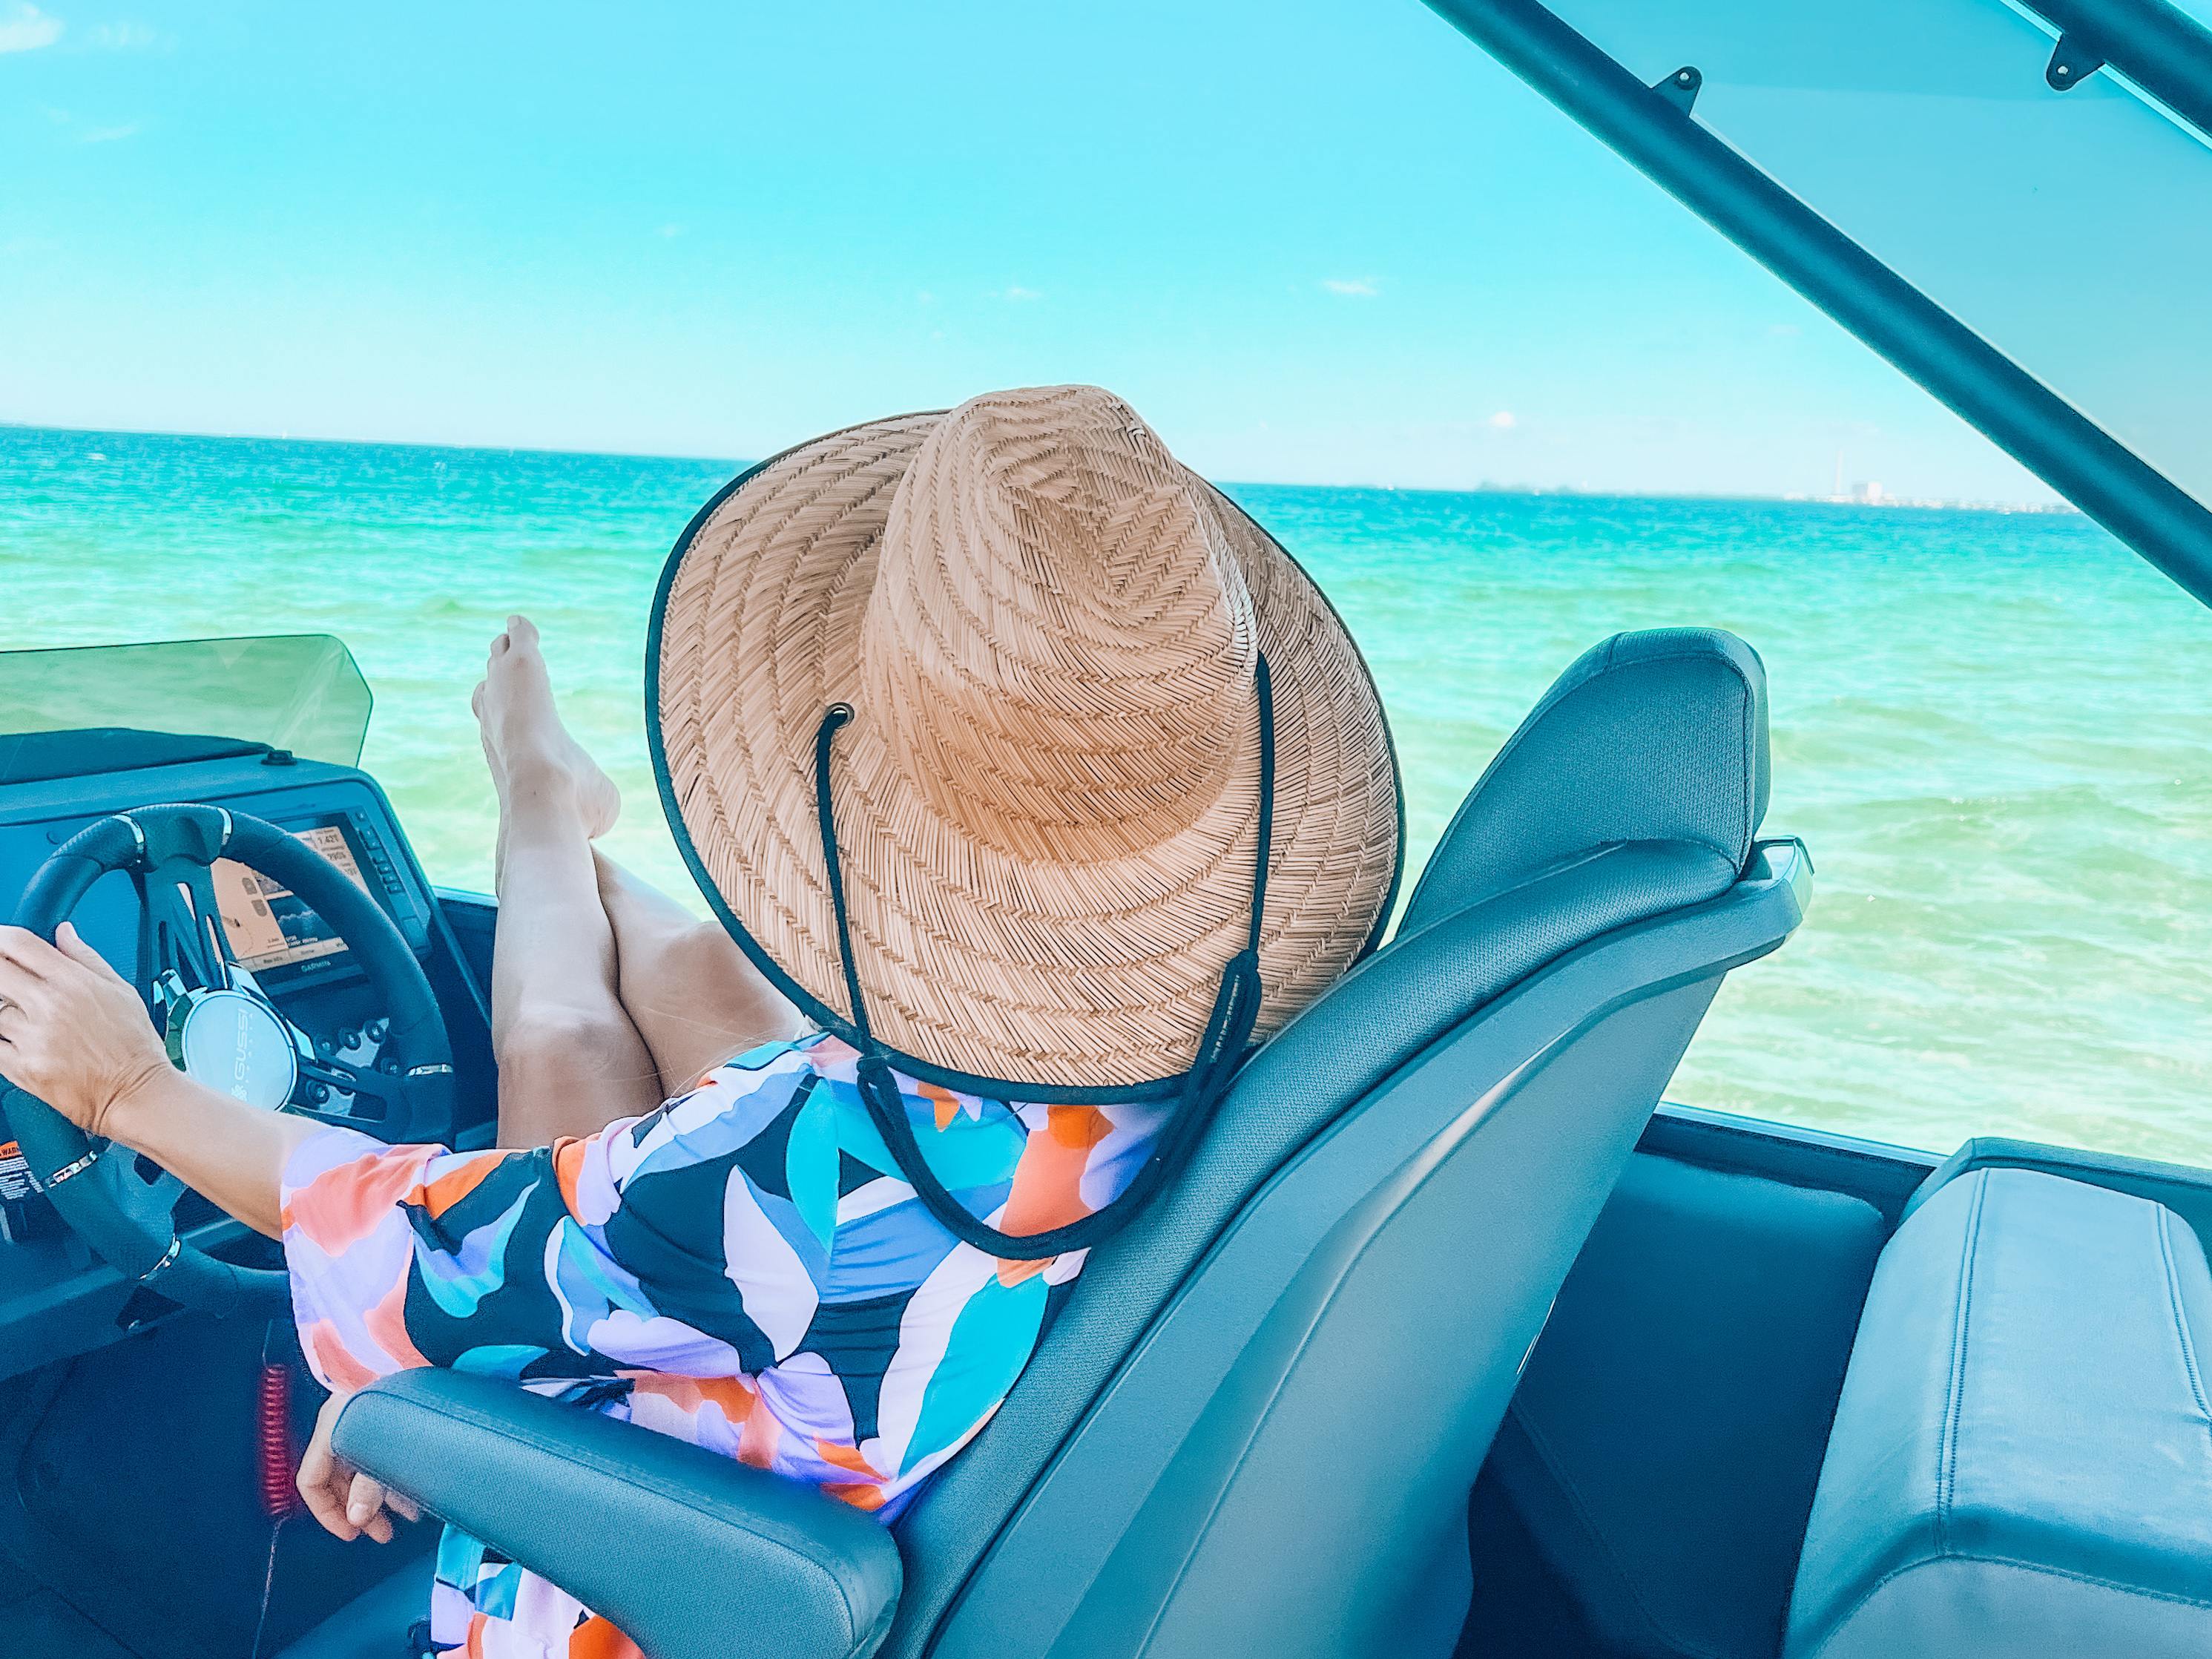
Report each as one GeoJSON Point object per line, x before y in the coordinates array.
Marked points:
{"type": "Point", "coordinates": [1657, 735]}
{"type": "Point", "coordinates": [684, 1547]}
{"type": "Point", "coordinates": [2022, 1457]}
{"type": "Point", "coordinates": [1255, 1423]}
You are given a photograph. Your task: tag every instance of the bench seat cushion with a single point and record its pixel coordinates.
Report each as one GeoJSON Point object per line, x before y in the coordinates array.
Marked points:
{"type": "Point", "coordinates": [2021, 1461]}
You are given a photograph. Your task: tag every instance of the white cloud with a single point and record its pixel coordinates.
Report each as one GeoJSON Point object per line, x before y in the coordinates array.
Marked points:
{"type": "Point", "coordinates": [1506, 420]}
{"type": "Point", "coordinates": [107, 134]}
{"type": "Point", "coordinates": [124, 37]}
{"type": "Point", "coordinates": [1017, 292]}
{"type": "Point", "coordinates": [1353, 288]}
{"type": "Point", "coordinates": [28, 29]}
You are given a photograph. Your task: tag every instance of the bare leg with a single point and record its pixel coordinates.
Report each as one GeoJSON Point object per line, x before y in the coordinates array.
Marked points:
{"type": "Point", "coordinates": [693, 996]}
{"type": "Point", "coordinates": [570, 1061]}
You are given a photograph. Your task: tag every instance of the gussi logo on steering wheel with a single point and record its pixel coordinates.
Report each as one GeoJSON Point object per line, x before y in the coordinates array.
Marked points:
{"type": "Point", "coordinates": [231, 1038]}
{"type": "Point", "coordinates": [222, 1030]}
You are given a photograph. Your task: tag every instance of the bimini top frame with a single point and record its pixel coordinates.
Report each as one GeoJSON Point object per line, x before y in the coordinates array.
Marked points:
{"type": "Point", "coordinates": [1655, 130]}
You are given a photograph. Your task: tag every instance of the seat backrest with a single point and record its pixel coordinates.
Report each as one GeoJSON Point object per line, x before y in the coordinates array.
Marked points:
{"type": "Point", "coordinates": [1254, 1425]}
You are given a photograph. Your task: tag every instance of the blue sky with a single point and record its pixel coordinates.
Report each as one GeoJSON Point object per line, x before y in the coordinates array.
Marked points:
{"type": "Point", "coordinates": [1314, 241]}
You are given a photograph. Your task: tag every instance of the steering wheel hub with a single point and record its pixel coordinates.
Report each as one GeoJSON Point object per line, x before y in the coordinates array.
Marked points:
{"type": "Point", "coordinates": [234, 1042]}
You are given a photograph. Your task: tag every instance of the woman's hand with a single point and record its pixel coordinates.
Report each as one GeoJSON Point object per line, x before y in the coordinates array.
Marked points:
{"type": "Point", "coordinates": [347, 1502]}
{"type": "Point", "coordinates": [72, 1032]}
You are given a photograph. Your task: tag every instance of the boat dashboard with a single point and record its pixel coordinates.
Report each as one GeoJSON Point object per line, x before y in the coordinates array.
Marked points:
{"type": "Point", "coordinates": [56, 1297]}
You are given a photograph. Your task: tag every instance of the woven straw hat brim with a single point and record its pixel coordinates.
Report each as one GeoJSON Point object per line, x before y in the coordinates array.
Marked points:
{"type": "Point", "coordinates": [983, 968]}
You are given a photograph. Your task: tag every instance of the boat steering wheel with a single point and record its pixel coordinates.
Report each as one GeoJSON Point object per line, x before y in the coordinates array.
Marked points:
{"type": "Point", "coordinates": [222, 1030]}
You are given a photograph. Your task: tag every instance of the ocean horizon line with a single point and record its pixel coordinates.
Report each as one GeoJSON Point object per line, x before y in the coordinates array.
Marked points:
{"type": "Point", "coordinates": [1488, 488]}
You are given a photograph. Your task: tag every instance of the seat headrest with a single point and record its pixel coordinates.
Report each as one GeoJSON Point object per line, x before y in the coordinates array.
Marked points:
{"type": "Point", "coordinates": [1658, 735]}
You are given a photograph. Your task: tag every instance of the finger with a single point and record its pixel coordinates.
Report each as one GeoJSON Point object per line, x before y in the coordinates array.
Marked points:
{"type": "Point", "coordinates": [364, 1499]}
{"type": "Point", "coordinates": [20, 988]}
{"type": "Point", "coordinates": [27, 952]}
{"type": "Point", "coordinates": [322, 1481]}
{"type": "Point", "coordinates": [402, 1505]}
{"type": "Point", "coordinates": [71, 944]}
{"type": "Point", "coordinates": [19, 983]}
{"type": "Point", "coordinates": [365, 1508]}
{"type": "Point", "coordinates": [323, 1493]}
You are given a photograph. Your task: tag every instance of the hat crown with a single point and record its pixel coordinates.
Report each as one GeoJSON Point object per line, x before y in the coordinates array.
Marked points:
{"type": "Point", "coordinates": [1059, 639]}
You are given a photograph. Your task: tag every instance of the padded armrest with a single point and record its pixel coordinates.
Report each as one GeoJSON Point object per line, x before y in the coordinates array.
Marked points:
{"type": "Point", "coordinates": [692, 1555]}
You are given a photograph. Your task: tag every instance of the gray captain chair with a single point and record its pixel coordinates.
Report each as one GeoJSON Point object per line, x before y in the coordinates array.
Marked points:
{"type": "Point", "coordinates": [1254, 1427]}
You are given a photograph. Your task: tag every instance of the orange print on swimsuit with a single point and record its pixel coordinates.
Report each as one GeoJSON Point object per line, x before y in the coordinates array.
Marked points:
{"type": "Point", "coordinates": [596, 1638]}
{"type": "Point", "coordinates": [451, 1187]}
{"type": "Point", "coordinates": [385, 1323]}
{"type": "Point", "coordinates": [568, 1167]}
{"type": "Point", "coordinates": [342, 1205]}
{"type": "Point", "coordinates": [1048, 1186]}
{"type": "Point", "coordinates": [326, 1353]}
{"type": "Point", "coordinates": [868, 1496]}
{"type": "Point", "coordinates": [757, 1440]}
{"type": "Point", "coordinates": [947, 1102]}
{"type": "Point", "coordinates": [735, 1396]}
{"type": "Point", "coordinates": [851, 1459]}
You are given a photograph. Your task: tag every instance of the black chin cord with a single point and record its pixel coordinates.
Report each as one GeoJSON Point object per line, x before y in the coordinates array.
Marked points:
{"type": "Point", "coordinates": [1221, 1046]}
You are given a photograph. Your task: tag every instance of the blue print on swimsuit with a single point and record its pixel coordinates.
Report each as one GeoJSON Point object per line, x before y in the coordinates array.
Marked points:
{"type": "Point", "coordinates": [754, 1267]}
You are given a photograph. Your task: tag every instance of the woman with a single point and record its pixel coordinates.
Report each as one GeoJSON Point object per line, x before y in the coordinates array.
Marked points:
{"type": "Point", "coordinates": [1029, 782]}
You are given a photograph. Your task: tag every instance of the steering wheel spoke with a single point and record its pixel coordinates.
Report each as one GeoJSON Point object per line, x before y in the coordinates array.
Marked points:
{"type": "Point", "coordinates": [182, 932]}
{"type": "Point", "coordinates": [143, 1189]}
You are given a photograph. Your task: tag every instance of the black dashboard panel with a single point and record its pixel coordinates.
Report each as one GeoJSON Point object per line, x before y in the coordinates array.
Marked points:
{"type": "Point", "coordinates": [55, 1298]}
{"type": "Point", "coordinates": [36, 819]}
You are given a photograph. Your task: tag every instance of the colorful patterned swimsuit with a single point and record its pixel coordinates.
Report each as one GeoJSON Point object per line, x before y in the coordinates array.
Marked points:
{"type": "Point", "coordinates": [744, 1269]}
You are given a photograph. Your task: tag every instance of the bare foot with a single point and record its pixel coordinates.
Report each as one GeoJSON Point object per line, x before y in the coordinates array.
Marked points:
{"type": "Point", "coordinates": [528, 747]}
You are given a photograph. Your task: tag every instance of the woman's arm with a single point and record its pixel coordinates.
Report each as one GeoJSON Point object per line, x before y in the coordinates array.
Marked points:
{"type": "Point", "coordinates": [222, 1148]}
{"type": "Point", "coordinates": [74, 1034]}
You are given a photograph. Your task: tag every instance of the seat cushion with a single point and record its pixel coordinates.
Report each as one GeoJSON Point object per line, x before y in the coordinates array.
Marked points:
{"type": "Point", "coordinates": [375, 1624]}
{"type": "Point", "coordinates": [2021, 1461]}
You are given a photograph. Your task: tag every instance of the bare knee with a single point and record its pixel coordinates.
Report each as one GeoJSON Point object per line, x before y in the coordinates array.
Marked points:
{"type": "Point", "coordinates": [572, 1049]}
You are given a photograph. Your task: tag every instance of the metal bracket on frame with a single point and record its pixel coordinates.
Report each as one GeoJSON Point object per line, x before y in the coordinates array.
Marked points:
{"type": "Point", "coordinates": [1681, 87]}
{"type": "Point", "coordinates": [2071, 63]}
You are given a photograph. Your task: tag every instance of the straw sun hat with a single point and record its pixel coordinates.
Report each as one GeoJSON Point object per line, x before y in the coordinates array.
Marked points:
{"type": "Point", "coordinates": [1060, 650]}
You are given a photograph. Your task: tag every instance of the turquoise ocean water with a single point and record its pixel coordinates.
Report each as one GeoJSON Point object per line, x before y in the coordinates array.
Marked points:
{"type": "Point", "coordinates": [1993, 730]}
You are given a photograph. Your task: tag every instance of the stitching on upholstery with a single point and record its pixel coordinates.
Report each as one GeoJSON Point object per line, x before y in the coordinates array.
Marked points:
{"type": "Point", "coordinates": [1575, 1506]}
{"type": "Point", "coordinates": [1751, 774]}
{"type": "Point", "coordinates": [1954, 1406]}
{"type": "Point", "coordinates": [1874, 1590]}
{"type": "Point", "coordinates": [624, 1476]}
{"type": "Point", "coordinates": [2165, 1223]}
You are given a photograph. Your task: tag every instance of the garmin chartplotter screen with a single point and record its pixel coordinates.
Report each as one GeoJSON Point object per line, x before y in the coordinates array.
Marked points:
{"type": "Point", "coordinates": [267, 925]}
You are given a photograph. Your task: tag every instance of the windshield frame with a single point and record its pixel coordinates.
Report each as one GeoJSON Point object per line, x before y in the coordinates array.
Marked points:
{"type": "Point", "coordinates": [1656, 130]}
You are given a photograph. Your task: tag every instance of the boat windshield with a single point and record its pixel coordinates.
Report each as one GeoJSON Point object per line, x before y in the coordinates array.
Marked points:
{"type": "Point", "coordinates": [2070, 230]}
{"type": "Point", "coordinates": [302, 692]}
